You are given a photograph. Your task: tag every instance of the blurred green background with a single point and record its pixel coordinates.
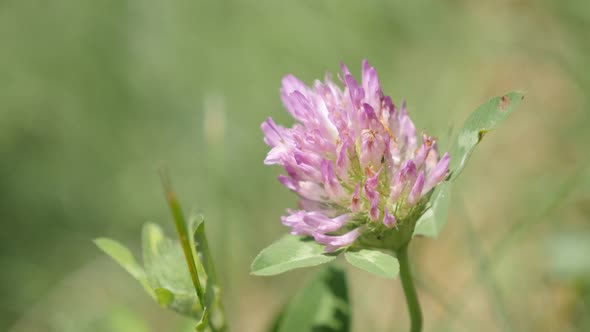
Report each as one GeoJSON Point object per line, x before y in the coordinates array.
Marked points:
{"type": "Point", "coordinates": [95, 95]}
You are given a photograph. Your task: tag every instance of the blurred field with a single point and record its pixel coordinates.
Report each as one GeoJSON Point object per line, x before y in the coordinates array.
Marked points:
{"type": "Point", "coordinates": [95, 95]}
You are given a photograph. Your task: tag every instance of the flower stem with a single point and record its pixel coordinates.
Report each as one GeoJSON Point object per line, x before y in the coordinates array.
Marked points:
{"type": "Point", "coordinates": [409, 290]}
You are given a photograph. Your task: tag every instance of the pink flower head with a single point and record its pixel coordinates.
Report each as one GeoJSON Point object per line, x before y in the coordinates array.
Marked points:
{"type": "Point", "coordinates": [353, 158]}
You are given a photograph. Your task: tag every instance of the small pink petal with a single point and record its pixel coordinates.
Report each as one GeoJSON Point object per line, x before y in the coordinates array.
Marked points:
{"type": "Point", "coordinates": [438, 173]}
{"type": "Point", "coordinates": [388, 219]}
{"type": "Point", "coordinates": [416, 192]}
{"type": "Point", "coordinates": [335, 242]}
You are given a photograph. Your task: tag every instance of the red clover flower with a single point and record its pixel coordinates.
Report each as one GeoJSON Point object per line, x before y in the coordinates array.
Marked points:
{"type": "Point", "coordinates": [354, 159]}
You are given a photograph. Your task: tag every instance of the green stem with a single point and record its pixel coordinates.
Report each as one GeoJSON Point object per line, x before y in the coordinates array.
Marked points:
{"type": "Point", "coordinates": [185, 243]}
{"type": "Point", "coordinates": [409, 289]}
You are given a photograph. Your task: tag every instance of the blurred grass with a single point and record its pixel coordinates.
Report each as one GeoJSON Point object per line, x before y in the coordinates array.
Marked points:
{"type": "Point", "coordinates": [95, 94]}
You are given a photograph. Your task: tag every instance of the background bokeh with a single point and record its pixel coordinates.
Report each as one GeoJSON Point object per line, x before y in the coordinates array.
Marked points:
{"type": "Point", "coordinates": [95, 95]}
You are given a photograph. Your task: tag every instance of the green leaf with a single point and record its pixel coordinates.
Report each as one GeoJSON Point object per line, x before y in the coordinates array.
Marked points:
{"type": "Point", "coordinates": [201, 250]}
{"type": "Point", "coordinates": [374, 261]}
{"type": "Point", "coordinates": [435, 218]}
{"type": "Point", "coordinates": [174, 274]}
{"type": "Point", "coordinates": [165, 277]}
{"type": "Point", "coordinates": [290, 252]}
{"type": "Point", "coordinates": [167, 272]}
{"type": "Point", "coordinates": [205, 267]}
{"type": "Point", "coordinates": [483, 120]}
{"type": "Point", "coordinates": [322, 305]}
{"type": "Point", "coordinates": [123, 256]}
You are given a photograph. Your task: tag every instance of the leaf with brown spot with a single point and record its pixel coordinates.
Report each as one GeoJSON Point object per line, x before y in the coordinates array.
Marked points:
{"type": "Point", "coordinates": [505, 103]}
{"type": "Point", "coordinates": [483, 120]}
